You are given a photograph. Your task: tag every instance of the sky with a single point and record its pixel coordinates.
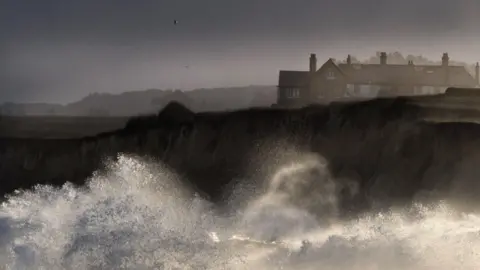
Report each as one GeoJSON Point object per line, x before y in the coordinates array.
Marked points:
{"type": "Point", "coordinates": [62, 50]}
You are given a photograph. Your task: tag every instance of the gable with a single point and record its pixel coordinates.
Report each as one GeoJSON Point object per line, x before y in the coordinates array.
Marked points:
{"type": "Point", "coordinates": [329, 71]}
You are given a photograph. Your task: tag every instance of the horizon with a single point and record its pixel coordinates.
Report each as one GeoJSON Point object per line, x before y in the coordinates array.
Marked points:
{"type": "Point", "coordinates": [131, 91]}
{"type": "Point", "coordinates": [59, 51]}
{"type": "Point", "coordinates": [305, 68]}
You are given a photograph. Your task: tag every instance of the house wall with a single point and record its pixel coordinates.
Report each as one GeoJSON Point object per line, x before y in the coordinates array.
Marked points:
{"type": "Point", "coordinates": [371, 90]}
{"type": "Point", "coordinates": [362, 90]}
{"type": "Point", "coordinates": [429, 90]}
{"type": "Point", "coordinates": [288, 96]}
{"type": "Point", "coordinates": [328, 84]}
{"type": "Point", "coordinates": [332, 85]}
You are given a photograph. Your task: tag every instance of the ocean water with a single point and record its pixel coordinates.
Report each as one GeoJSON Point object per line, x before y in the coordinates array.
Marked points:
{"type": "Point", "coordinates": [137, 215]}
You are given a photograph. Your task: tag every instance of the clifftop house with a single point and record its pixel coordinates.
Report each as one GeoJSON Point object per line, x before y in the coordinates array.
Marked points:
{"type": "Point", "coordinates": [349, 80]}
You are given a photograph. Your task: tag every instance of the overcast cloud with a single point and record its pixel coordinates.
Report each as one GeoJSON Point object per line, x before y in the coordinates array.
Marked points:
{"type": "Point", "coordinates": [61, 50]}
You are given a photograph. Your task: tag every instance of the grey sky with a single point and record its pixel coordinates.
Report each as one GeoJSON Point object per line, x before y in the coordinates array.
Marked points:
{"type": "Point", "coordinates": [61, 50]}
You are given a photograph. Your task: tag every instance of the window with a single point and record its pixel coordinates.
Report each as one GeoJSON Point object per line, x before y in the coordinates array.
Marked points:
{"type": "Point", "coordinates": [330, 75]}
{"type": "Point", "coordinates": [366, 90]}
{"type": "Point", "coordinates": [428, 90]}
{"type": "Point", "coordinates": [292, 92]}
{"type": "Point", "coordinates": [350, 90]}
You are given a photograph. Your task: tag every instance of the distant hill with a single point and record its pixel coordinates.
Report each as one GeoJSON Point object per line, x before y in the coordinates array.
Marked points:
{"type": "Point", "coordinates": [149, 101]}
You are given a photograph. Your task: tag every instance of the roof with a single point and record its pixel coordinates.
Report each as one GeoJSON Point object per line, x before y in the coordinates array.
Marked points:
{"type": "Point", "coordinates": [290, 78]}
{"type": "Point", "coordinates": [427, 75]}
{"type": "Point", "coordinates": [407, 74]}
{"type": "Point", "coordinates": [331, 63]}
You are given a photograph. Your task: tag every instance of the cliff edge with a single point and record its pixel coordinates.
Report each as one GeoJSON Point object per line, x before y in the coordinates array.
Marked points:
{"type": "Point", "coordinates": [384, 146]}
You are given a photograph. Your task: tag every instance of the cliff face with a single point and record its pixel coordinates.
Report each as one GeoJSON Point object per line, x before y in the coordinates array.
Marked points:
{"type": "Point", "coordinates": [382, 146]}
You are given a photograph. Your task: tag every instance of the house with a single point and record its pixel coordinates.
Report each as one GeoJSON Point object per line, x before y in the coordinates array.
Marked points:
{"type": "Point", "coordinates": [334, 81]}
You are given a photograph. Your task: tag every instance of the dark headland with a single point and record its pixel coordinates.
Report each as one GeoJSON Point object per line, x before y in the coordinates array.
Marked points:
{"type": "Point", "coordinates": [390, 147]}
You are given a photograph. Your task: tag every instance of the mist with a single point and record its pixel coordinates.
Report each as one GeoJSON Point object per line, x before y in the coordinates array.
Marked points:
{"type": "Point", "coordinates": [61, 51]}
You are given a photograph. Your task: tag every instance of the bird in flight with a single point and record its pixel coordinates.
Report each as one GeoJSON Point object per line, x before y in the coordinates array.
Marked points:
{"type": "Point", "coordinates": [175, 22]}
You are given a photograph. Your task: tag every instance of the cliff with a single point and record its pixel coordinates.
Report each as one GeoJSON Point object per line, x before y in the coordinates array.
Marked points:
{"type": "Point", "coordinates": [382, 145]}
{"type": "Point", "coordinates": [57, 127]}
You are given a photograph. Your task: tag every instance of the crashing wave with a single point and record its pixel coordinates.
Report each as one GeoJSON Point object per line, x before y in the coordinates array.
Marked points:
{"type": "Point", "coordinates": [136, 215]}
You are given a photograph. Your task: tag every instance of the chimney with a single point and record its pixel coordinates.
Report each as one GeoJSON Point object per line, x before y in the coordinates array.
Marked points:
{"type": "Point", "coordinates": [349, 59]}
{"type": "Point", "coordinates": [445, 60]}
{"type": "Point", "coordinates": [313, 62]}
{"type": "Point", "coordinates": [477, 75]}
{"type": "Point", "coordinates": [383, 58]}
